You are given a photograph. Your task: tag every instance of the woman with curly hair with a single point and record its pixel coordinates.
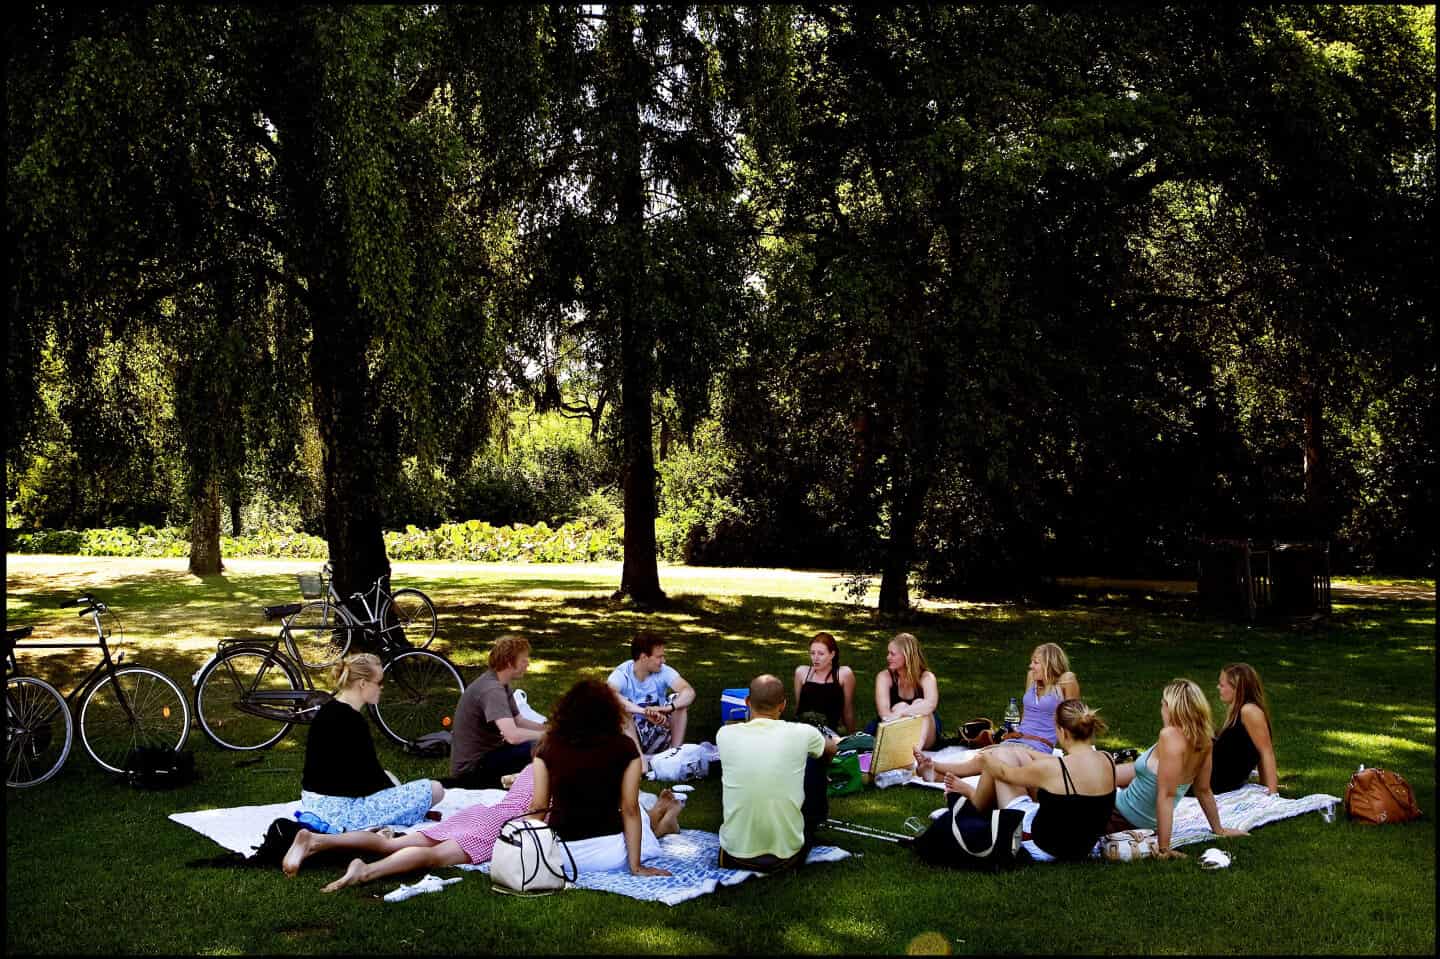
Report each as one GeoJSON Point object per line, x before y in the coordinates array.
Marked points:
{"type": "Point", "coordinates": [1153, 785]}
{"type": "Point", "coordinates": [587, 779]}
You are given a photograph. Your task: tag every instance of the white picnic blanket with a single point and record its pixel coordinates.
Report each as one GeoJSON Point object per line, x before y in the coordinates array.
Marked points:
{"type": "Point", "coordinates": [1248, 807]}
{"type": "Point", "coordinates": [691, 855]}
{"type": "Point", "coordinates": [240, 828]}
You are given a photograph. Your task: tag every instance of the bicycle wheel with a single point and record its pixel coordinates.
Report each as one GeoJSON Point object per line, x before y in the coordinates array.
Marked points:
{"type": "Point", "coordinates": [158, 715]}
{"type": "Point", "coordinates": [38, 731]}
{"type": "Point", "coordinates": [319, 635]}
{"type": "Point", "coordinates": [229, 683]}
{"type": "Point", "coordinates": [422, 690]}
{"type": "Point", "coordinates": [411, 613]}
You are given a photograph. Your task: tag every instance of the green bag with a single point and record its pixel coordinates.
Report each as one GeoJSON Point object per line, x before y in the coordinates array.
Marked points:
{"type": "Point", "coordinates": [858, 742]}
{"type": "Point", "coordinates": [844, 773]}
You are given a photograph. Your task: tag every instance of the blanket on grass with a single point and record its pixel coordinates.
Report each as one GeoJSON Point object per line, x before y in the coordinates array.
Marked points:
{"type": "Point", "coordinates": [1248, 807]}
{"type": "Point", "coordinates": [240, 828]}
{"type": "Point", "coordinates": [691, 855]}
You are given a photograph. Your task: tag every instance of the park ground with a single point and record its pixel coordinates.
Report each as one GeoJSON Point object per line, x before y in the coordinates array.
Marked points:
{"type": "Point", "coordinates": [95, 867]}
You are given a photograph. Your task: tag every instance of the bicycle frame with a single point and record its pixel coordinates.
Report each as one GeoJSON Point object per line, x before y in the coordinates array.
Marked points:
{"type": "Point", "coordinates": [372, 613]}
{"type": "Point", "coordinates": [105, 667]}
{"type": "Point", "coordinates": [280, 705]}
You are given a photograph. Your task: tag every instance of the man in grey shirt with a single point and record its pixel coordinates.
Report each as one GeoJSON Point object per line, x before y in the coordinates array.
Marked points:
{"type": "Point", "coordinates": [491, 739]}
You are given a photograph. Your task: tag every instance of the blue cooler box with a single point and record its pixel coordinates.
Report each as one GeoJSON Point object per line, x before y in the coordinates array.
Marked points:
{"type": "Point", "coordinates": [732, 705]}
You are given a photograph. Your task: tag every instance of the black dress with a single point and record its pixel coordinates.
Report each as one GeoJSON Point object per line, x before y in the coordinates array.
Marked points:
{"type": "Point", "coordinates": [1233, 759]}
{"type": "Point", "coordinates": [827, 698]}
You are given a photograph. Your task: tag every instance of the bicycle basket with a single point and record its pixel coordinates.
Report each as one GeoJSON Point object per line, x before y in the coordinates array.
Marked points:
{"type": "Point", "coordinates": [311, 587]}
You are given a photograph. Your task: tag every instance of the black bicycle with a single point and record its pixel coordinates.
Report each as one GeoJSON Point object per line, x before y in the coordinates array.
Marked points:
{"type": "Point", "coordinates": [324, 628]}
{"type": "Point", "coordinates": [120, 707]}
{"type": "Point", "coordinates": [250, 693]}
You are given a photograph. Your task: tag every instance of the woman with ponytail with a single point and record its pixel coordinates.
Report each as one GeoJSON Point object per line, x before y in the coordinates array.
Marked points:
{"type": "Point", "coordinates": [344, 784]}
{"type": "Point", "coordinates": [1180, 760]}
{"type": "Point", "coordinates": [1073, 794]}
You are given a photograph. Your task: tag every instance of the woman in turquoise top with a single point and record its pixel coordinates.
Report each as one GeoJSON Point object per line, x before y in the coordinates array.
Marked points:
{"type": "Point", "coordinates": [1179, 761]}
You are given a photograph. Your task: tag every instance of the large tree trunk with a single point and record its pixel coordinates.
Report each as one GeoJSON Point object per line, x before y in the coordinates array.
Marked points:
{"type": "Point", "coordinates": [205, 530]}
{"type": "Point", "coordinates": [234, 514]}
{"type": "Point", "coordinates": [343, 404]}
{"type": "Point", "coordinates": [1317, 480]}
{"type": "Point", "coordinates": [640, 577]}
{"type": "Point", "coordinates": [900, 546]}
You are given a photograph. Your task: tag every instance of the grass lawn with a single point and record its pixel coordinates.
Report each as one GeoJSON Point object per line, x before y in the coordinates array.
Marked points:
{"type": "Point", "coordinates": [93, 866]}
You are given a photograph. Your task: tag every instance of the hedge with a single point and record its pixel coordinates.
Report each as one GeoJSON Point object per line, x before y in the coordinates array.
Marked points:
{"type": "Point", "coordinates": [581, 541]}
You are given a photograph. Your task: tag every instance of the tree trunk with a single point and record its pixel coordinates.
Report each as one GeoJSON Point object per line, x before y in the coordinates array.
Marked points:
{"type": "Point", "coordinates": [205, 530]}
{"type": "Point", "coordinates": [1317, 479]}
{"type": "Point", "coordinates": [234, 514]}
{"type": "Point", "coordinates": [640, 576]}
{"type": "Point", "coordinates": [343, 403]}
{"type": "Point", "coordinates": [900, 547]}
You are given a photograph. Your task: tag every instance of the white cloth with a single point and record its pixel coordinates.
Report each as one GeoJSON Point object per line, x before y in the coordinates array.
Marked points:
{"type": "Point", "coordinates": [608, 852]}
{"type": "Point", "coordinates": [1213, 858]}
{"type": "Point", "coordinates": [522, 704]}
{"type": "Point", "coordinates": [428, 884]}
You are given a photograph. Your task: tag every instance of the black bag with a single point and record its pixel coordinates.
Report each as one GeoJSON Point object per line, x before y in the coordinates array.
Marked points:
{"type": "Point", "coordinates": [973, 840]}
{"type": "Point", "coordinates": [272, 849]}
{"type": "Point", "coordinates": [156, 767]}
{"type": "Point", "coordinates": [431, 745]}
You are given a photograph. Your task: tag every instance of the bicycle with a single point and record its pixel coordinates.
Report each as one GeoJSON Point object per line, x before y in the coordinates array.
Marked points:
{"type": "Point", "coordinates": [248, 686]}
{"type": "Point", "coordinates": [120, 707]}
{"type": "Point", "coordinates": [406, 614]}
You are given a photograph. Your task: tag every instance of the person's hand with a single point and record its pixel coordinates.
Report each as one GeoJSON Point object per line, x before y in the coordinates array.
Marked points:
{"type": "Point", "coordinates": [644, 870]}
{"type": "Point", "coordinates": [1171, 854]}
{"type": "Point", "coordinates": [1227, 831]}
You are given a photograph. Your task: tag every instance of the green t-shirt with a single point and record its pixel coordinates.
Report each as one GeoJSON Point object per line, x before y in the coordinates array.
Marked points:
{"type": "Point", "coordinates": [762, 772]}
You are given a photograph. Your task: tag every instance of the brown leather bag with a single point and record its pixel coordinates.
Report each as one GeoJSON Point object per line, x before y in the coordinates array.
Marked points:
{"type": "Point", "coordinates": [976, 734]}
{"type": "Point", "coordinates": [1376, 796]}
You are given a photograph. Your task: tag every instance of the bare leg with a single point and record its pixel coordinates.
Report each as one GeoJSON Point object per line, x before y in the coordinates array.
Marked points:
{"type": "Point", "coordinates": [437, 793]}
{"type": "Point", "coordinates": [447, 853]}
{"type": "Point", "coordinates": [970, 766]}
{"type": "Point", "coordinates": [991, 791]}
{"type": "Point", "coordinates": [306, 843]}
{"type": "Point", "coordinates": [678, 719]}
{"type": "Point", "coordinates": [929, 740]}
{"type": "Point", "coordinates": [665, 814]}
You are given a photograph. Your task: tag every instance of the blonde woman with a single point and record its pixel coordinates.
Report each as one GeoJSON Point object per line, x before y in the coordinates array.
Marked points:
{"type": "Point", "coordinates": [906, 687]}
{"type": "Point", "coordinates": [1245, 741]}
{"type": "Point", "coordinates": [1049, 682]}
{"type": "Point", "coordinates": [1179, 761]}
{"type": "Point", "coordinates": [343, 782]}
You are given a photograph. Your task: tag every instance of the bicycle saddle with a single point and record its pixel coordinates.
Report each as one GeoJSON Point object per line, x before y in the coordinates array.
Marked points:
{"type": "Point", "coordinates": [280, 612]}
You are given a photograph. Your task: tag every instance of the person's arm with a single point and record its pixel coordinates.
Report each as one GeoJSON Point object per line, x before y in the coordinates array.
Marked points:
{"type": "Point", "coordinates": [684, 692]}
{"type": "Point", "coordinates": [1254, 719]}
{"type": "Point", "coordinates": [630, 817]}
{"type": "Point", "coordinates": [930, 700]}
{"type": "Point", "coordinates": [799, 682]}
{"type": "Point", "coordinates": [882, 695]}
{"type": "Point", "coordinates": [614, 683]}
{"type": "Point", "coordinates": [1202, 792]}
{"type": "Point", "coordinates": [1069, 686]}
{"type": "Point", "coordinates": [515, 734]}
{"type": "Point", "coordinates": [847, 683]}
{"type": "Point", "coordinates": [540, 797]}
{"type": "Point", "coordinates": [1171, 762]}
{"type": "Point", "coordinates": [531, 724]}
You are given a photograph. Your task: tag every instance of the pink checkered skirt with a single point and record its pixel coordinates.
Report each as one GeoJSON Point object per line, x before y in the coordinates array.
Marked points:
{"type": "Point", "coordinates": [476, 827]}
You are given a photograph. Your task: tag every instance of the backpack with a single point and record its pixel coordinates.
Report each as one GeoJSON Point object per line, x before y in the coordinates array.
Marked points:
{"type": "Point", "coordinates": [431, 745]}
{"type": "Point", "coordinates": [1377, 796]}
{"type": "Point", "coordinates": [970, 839]}
{"type": "Point", "coordinates": [158, 767]}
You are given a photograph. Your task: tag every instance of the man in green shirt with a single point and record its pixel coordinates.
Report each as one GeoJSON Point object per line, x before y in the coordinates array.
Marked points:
{"type": "Point", "coordinates": [773, 779]}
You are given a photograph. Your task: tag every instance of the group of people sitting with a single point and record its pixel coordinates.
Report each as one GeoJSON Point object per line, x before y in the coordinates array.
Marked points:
{"type": "Point", "coordinates": [581, 770]}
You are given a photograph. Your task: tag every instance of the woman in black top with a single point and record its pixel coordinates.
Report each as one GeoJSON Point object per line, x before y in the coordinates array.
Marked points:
{"type": "Point", "coordinates": [343, 783]}
{"type": "Point", "coordinates": [826, 687]}
{"type": "Point", "coordinates": [1244, 742]}
{"type": "Point", "coordinates": [587, 777]}
{"type": "Point", "coordinates": [1074, 795]}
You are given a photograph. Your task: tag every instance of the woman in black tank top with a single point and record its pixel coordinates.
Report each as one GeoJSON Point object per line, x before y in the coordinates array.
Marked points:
{"type": "Point", "coordinates": [826, 687]}
{"type": "Point", "coordinates": [1244, 742]}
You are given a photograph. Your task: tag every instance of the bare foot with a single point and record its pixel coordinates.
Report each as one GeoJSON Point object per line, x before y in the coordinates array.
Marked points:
{"type": "Point", "coordinates": [295, 855]}
{"type": "Point", "coordinates": [508, 780]}
{"type": "Point", "coordinates": [351, 877]}
{"type": "Point", "coordinates": [666, 814]}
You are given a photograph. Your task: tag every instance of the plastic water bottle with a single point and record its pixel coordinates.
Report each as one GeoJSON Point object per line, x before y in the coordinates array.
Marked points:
{"type": "Point", "coordinates": [893, 777]}
{"type": "Point", "coordinates": [1012, 715]}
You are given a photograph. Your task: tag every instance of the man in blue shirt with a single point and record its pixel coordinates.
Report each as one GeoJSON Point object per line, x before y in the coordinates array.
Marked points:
{"type": "Point", "coordinates": [654, 694]}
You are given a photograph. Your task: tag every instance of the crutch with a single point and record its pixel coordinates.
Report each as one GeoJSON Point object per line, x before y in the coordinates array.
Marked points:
{"type": "Point", "coordinates": [869, 832]}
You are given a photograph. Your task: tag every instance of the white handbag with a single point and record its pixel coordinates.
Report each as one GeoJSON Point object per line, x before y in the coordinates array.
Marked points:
{"type": "Point", "coordinates": [529, 859]}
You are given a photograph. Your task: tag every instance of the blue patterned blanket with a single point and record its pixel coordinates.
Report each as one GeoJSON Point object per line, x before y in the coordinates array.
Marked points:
{"type": "Point", "coordinates": [691, 855]}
